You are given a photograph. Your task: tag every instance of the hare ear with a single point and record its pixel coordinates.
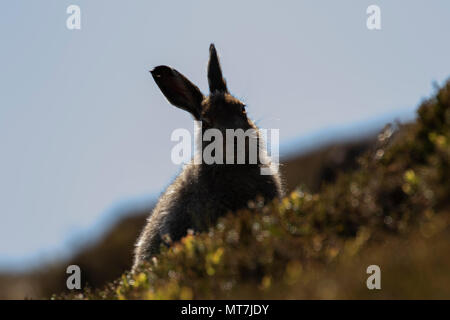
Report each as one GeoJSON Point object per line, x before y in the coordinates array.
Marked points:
{"type": "Point", "coordinates": [215, 78]}
{"type": "Point", "coordinates": [178, 90]}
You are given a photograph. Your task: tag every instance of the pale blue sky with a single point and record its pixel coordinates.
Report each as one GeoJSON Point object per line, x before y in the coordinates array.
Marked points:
{"type": "Point", "coordinates": [83, 128]}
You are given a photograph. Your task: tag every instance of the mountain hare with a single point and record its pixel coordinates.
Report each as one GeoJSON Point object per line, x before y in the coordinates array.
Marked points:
{"type": "Point", "coordinates": [203, 192]}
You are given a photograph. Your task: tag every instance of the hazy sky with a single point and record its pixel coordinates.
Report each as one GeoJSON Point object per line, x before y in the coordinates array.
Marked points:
{"type": "Point", "coordinates": [84, 129]}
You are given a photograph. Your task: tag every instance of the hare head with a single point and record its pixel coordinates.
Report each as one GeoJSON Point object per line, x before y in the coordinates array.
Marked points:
{"type": "Point", "coordinates": [219, 110]}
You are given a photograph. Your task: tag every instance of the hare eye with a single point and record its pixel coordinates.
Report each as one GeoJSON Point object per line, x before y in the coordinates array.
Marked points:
{"type": "Point", "coordinates": [243, 108]}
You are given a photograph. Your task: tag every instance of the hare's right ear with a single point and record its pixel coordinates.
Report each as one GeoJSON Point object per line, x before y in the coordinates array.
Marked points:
{"type": "Point", "coordinates": [178, 90]}
{"type": "Point", "coordinates": [215, 78]}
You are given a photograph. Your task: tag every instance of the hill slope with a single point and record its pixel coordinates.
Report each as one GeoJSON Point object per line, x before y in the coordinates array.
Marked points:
{"type": "Point", "coordinates": [393, 211]}
{"type": "Point", "coordinates": [107, 258]}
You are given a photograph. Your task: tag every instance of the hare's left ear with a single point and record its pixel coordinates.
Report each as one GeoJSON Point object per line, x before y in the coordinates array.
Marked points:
{"type": "Point", "coordinates": [178, 90]}
{"type": "Point", "coordinates": [215, 78]}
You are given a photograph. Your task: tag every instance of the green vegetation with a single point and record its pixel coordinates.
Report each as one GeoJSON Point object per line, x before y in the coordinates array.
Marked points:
{"type": "Point", "coordinates": [393, 211]}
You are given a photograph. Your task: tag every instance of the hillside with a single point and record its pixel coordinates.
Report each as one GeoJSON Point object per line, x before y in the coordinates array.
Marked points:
{"type": "Point", "coordinates": [106, 259]}
{"type": "Point", "coordinates": [392, 211]}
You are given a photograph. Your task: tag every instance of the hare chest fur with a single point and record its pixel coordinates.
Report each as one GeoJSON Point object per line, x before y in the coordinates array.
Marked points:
{"type": "Point", "coordinates": [204, 192]}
